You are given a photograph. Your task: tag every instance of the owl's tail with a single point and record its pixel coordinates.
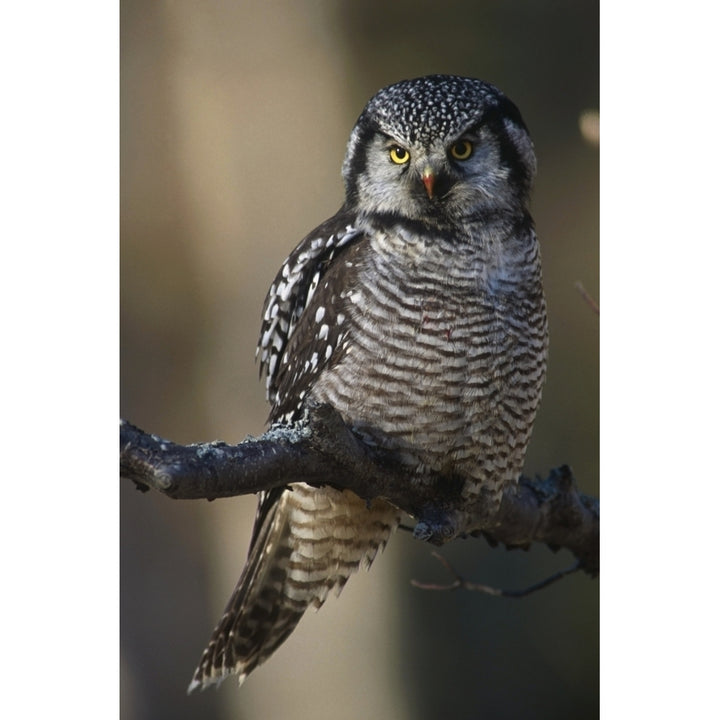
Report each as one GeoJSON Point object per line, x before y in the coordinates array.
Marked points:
{"type": "Point", "coordinates": [306, 542]}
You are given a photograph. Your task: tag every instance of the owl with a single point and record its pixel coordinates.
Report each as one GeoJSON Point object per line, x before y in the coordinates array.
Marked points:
{"type": "Point", "coordinates": [417, 312]}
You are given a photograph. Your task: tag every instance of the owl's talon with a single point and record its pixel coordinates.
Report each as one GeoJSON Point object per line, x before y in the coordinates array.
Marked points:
{"type": "Point", "coordinates": [437, 527]}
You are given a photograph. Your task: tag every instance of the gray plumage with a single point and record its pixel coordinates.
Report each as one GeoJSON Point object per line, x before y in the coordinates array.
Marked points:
{"type": "Point", "coordinates": [418, 312]}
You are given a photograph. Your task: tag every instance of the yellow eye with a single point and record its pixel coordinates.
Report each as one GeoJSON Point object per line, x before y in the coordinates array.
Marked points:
{"type": "Point", "coordinates": [461, 150]}
{"type": "Point", "coordinates": [399, 155]}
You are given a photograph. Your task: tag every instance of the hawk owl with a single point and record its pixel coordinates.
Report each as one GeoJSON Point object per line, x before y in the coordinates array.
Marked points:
{"type": "Point", "coordinates": [416, 311]}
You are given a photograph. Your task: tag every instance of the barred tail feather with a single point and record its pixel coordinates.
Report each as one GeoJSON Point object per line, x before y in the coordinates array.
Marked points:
{"type": "Point", "coordinates": [305, 543]}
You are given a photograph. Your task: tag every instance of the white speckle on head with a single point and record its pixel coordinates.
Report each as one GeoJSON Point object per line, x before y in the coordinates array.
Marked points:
{"type": "Point", "coordinates": [319, 314]}
{"type": "Point", "coordinates": [322, 335]}
{"type": "Point", "coordinates": [340, 318]}
{"type": "Point", "coordinates": [328, 351]}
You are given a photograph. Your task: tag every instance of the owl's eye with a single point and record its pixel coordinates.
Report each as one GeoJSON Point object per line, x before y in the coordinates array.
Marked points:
{"type": "Point", "coordinates": [399, 155]}
{"type": "Point", "coordinates": [461, 150]}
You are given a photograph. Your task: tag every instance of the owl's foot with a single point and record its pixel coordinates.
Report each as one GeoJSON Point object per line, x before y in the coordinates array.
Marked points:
{"type": "Point", "coordinates": [437, 526]}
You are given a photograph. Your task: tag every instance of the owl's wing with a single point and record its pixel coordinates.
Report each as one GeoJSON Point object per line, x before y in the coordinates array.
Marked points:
{"type": "Point", "coordinates": [306, 541]}
{"type": "Point", "coordinates": [287, 300]}
{"type": "Point", "coordinates": [283, 352]}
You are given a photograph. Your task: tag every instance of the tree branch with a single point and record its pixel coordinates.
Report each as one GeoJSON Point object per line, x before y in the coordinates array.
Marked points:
{"type": "Point", "coordinates": [321, 450]}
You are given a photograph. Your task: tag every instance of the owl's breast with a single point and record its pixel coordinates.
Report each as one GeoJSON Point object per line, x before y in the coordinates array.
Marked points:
{"type": "Point", "coordinates": [437, 368]}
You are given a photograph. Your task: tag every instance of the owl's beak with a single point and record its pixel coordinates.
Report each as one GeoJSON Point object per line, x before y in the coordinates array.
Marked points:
{"type": "Point", "coordinates": [428, 178]}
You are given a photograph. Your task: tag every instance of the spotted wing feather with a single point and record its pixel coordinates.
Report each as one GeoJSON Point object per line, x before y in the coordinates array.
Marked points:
{"type": "Point", "coordinates": [288, 297]}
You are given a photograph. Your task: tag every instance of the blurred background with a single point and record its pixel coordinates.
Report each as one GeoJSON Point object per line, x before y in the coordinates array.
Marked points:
{"type": "Point", "coordinates": [234, 119]}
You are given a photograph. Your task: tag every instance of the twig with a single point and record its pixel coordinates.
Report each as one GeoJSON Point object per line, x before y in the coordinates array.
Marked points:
{"type": "Point", "coordinates": [587, 297]}
{"type": "Point", "coordinates": [461, 584]}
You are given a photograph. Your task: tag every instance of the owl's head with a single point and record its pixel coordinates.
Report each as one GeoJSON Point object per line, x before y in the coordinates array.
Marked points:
{"type": "Point", "coordinates": [441, 147]}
